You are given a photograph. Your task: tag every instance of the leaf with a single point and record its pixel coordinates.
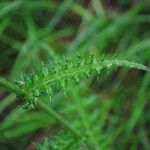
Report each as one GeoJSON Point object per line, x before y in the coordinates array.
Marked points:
{"type": "Point", "coordinates": [56, 76]}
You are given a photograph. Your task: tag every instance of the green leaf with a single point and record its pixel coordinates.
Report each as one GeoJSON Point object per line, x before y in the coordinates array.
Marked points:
{"type": "Point", "coordinates": [52, 77]}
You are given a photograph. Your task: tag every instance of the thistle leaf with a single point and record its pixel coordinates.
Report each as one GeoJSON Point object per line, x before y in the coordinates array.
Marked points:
{"type": "Point", "coordinates": [56, 76]}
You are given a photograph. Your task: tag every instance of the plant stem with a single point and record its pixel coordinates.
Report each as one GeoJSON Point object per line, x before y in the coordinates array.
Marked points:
{"type": "Point", "coordinates": [10, 86]}
{"type": "Point", "coordinates": [48, 110]}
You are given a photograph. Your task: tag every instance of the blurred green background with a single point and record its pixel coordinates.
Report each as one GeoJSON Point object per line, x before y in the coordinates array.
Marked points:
{"type": "Point", "coordinates": [113, 111]}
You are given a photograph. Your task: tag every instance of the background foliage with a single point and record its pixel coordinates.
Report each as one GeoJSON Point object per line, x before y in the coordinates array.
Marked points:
{"type": "Point", "coordinates": [111, 112]}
